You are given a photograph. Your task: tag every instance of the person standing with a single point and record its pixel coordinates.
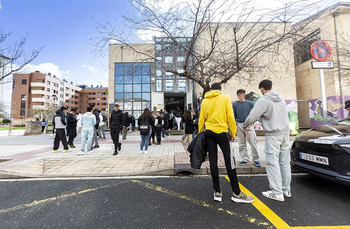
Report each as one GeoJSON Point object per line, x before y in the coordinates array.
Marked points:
{"type": "Point", "coordinates": [145, 126]}
{"type": "Point", "coordinates": [271, 109]}
{"type": "Point", "coordinates": [178, 117]}
{"type": "Point", "coordinates": [88, 122]}
{"type": "Point", "coordinates": [43, 125]}
{"type": "Point", "coordinates": [116, 125]}
{"type": "Point", "coordinates": [126, 123]}
{"type": "Point", "coordinates": [71, 127]}
{"type": "Point", "coordinates": [217, 116]}
{"type": "Point", "coordinates": [241, 110]}
{"type": "Point", "coordinates": [153, 132]}
{"type": "Point", "coordinates": [60, 122]}
{"type": "Point", "coordinates": [165, 115]}
{"type": "Point", "coordinates": [188, 126]}
{"type": "Point", "coordinates": [158, 126]}
{"type": "Point", "coordinates": [102, 125]}
{"type": "Point", "coordinates": [95, 137]}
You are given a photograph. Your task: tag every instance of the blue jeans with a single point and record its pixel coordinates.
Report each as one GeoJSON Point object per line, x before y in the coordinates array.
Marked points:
{"type": "Point", "coordinates": [164, 133]}
{"type": "Point", "coordinates": [87, 134]}
{"type": "Point", "coordinates": [145, 140]}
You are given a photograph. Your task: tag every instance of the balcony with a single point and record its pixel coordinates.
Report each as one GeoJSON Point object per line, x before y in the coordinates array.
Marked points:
{"type": "Point", "coordinates": [37, 84]}
{"type": "Point", "coordinates": [38, 100]}
{"type": "Point", "coordinates": [38, 92]}
{"type": "Point", "coordinates": [38, 107]}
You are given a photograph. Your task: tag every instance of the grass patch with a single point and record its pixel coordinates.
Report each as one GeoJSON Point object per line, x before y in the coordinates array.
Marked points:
{"type": "Point", "coordinates": [13, 128]}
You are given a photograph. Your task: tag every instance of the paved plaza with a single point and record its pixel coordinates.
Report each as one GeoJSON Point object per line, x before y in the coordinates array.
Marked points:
{"type": "Point", "coordinates": [32, 156]}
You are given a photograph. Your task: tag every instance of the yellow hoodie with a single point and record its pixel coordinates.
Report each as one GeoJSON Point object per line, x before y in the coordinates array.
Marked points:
{"type": "Point", "coordinates": [217, 113]}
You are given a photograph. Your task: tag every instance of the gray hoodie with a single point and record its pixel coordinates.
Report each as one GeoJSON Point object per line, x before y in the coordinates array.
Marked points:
{"type": "Point", "coordinates": [272, 111]}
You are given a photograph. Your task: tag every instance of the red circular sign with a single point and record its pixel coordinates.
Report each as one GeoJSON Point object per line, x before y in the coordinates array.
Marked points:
{"type": "Point", "coordinates": [320, 50]}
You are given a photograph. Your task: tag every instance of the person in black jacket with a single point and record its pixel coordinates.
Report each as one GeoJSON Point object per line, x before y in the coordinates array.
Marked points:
{"type": "Point", "coordinates": [145, 123]}
{"type": "Point", "coordinates": [188, 126]}
{"type": "Point", "coordinates": [158, 126]}
{"type": "Point", "coordinates": [116, 125]}
{"type": "Point", "coordinates": [95, 137]}
{"type": "Point", "coordinates": [59, 123]}
{"type": "Point", "coordinates": [71, 127]}
{"type": "Point", "coordinates": [126, 124]}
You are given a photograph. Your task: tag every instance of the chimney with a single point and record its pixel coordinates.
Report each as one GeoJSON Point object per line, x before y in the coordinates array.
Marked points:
{"type": "Point", "coordinates": [71, 82]}
{"type": "Point", "coordinates": [101, 86]}
{"type": "Point", "coordinates": [49, 74]}
{"type": "Point", "coordinates": [92, 86]}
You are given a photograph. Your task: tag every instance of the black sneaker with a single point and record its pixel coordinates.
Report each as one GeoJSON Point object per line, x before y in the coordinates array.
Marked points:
{"type": "Point", "coordinates": [119, 146]}
{"type": "Point", "coordinates": [96, 146]}
{"type": "Point", "coordinates": [115, 153]}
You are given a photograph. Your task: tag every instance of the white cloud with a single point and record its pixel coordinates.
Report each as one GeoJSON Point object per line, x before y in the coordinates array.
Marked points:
{"type": "Point", "coordinates": [46, 68]}
{"type": "Point", "coordinates": [146, 35]}
{"type": "Point", "coordinates": [91, 68]}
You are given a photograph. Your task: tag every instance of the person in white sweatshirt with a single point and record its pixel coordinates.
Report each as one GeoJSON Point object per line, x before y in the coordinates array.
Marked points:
{"type": "Point", "coordinates": [271, 109]}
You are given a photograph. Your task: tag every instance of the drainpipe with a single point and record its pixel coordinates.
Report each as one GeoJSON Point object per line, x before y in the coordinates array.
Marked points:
{"type": "Point", "coordinates": [340, 72]}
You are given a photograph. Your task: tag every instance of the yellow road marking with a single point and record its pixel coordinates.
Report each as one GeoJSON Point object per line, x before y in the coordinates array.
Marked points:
{"type": "Point", "coordinates": [324, 227]}
{"type": "Point", "coordinates": [203, 203]}
{"type": "Point", "coordinates": [35, 203]}
{"type": "Point", "coordinates": [266, 211]}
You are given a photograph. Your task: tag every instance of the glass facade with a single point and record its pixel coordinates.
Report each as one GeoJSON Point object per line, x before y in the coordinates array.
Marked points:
{"type": "Point", "coordinates": [133, 87]}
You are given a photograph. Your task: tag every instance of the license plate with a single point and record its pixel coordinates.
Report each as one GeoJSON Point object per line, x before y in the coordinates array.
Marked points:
{"type": "Point", "coordinates": [314, 158]}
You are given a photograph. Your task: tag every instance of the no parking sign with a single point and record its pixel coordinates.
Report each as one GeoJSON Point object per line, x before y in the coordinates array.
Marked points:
{"type": "Point", "coordinates": [320, 50]}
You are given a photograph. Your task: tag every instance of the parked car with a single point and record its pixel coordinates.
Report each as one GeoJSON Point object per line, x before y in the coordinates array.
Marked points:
{"type": "Point", "coordinates": [324, 151]}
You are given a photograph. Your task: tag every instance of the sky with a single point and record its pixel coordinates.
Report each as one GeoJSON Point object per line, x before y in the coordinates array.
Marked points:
{"type": "Point", "coordinates": [65, 29]}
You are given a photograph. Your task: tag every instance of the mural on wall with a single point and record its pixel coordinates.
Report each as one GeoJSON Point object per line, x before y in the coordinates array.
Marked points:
{"type": "Point", "coordinates": [292, 109]}
{"type": "Point", "coordinates": [335, 110]}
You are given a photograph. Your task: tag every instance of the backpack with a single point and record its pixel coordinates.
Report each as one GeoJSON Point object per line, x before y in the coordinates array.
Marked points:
{"type": "Point", "coordinates": [104, 118]}
{"type": "Point", "coordinates": [144, 127]}
{"type": "Point", "coordinates": [159, 122]}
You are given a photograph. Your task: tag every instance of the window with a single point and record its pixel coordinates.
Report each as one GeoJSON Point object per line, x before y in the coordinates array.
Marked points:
{"type": "Point", "coordinates": [48, 82]}
{"type": "Point", "coordinates": [137, 88]}
{"type": "Point", "coordinates": [67, 88]}
{"type": "Point", "coordinates": [98, 98]}
{"type": "Point", "coordinates": [48, 89]}
{"type": "Point", "coordinates": [159, 74]}
{"type": "Point", "coordinates": [302, 48]}
{"type": "Point", "coordinates": [180, 59]}
{"type": "Point", "coordinates": [159, 85]}
{"type": "Point", "coordinates": [146, 96]}
{"type": "Point", "coordinates": [23, 105]}
{"type": "Point", "coordinates": [169, 75]}
{"type": "Point", "coordinates": [24, 82]}
{"type": "Point", "coordinates": [169, 84]}
{"type": "Point", "coordinates": [168, 59]}
{"type": "Point", "coordinates": [127, 87]}
{"type": "Point", "coordinates": [146, 79]}
{"type": "Point", "coordinates": [158, 47]}
{"type": "Point", "coordinates": [98, 93]}
{"type": "Point", "coordinates": [137, 79]}
{"type": "Point", "coordinates": [182, 85]}
{"type": "Point", "coordinates": [48, 97]}
{"type": "Point", "coordinates": [168, 46]}
{"type": "Point", "coordinates": [159, 58]}
{"type": "Point", "coordinates": [146, 88]}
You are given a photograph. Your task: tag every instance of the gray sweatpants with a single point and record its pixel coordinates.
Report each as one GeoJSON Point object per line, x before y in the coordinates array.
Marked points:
{"type": "Point", "coordinates": [95, 138]}
{"type": "Point", "coordinates": [242, 142]}
{"type": "Point", "coordinates": [278, 163]}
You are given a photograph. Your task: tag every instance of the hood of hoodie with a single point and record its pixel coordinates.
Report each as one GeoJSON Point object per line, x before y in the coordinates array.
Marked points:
{"type": "Point", "coordinates": [213, 93]}
{"type": "Point", "coordinates": [273, 96]}
{"type": "Point", "coordinates": [59, 111]}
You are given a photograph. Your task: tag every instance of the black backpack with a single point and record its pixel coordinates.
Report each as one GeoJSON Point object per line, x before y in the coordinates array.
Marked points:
{"type": "Point", "coordinates": [104, 118]}
{"type": "Point", "coordinates": [144, 127]}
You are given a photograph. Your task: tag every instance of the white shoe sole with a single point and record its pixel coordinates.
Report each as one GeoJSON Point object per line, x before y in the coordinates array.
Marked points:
{"type": "Point", "coordinates": [236, 200]}
{"type": "Point", "coordinates": [268, 196]}
{"type": "Point", "coordinates": [218, 199]}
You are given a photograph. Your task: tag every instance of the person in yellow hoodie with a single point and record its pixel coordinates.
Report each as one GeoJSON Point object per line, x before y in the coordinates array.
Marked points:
{"type": "Point", "coordinates": [217, 118]}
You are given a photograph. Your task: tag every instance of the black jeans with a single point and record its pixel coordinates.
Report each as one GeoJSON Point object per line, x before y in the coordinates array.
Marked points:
{"type": "Point", "coordinates": [158, 131]}
{"type": "Point", "coordinates": [60, 136]}
{"type": "Point", "coordinates": [115, 138]}
{"type": "Point", "coordinates": [223, 140]}
{"type": "Point", "coordinates": [72, 133]}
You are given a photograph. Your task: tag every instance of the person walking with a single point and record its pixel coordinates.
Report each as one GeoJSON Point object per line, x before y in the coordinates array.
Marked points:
{"type": "Point", "coordinates": [60, 122]}
{"type": "Point", "coordinates": [145, 126]}
{"type": "Point", "coordinates": [88, 122]}
{"type": "Point", "coordinates": [241, 110]}
{"type": "Point", "coordinates": [188, 126]}
{"type": "Point", "coordinates": [95, 137]}
{"type": "Point", "coordinates": [116, 125]}
{"type": "Point", "coordinates": [153, 132]}
{"type": "Point", "coordinates": [195, 118]}
{"type": "Point", "coordinates": [217, 116]}
{"type": "Point", "coordinates": [71, 127]}
{"type": "Point", "coordinates": [43, 125]}
{"type": "Point", "coordinates": [126, 124]}
{"type": "Point", "coordinates": [165, 115]}
{"type": "Point", "coordinates": [178, 117]}
{"type": "Point", "coordinates": [271, 109]}
{"type": "Point", "coordinates": [102, 125]}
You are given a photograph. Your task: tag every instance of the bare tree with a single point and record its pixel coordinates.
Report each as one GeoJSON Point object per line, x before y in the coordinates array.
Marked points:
{"type": "Point", "coordinates": [225, 37]}
{"type": "Point", "coordinates": [3, 108]}
{"type": "Point", "coordinates": [13, 57]}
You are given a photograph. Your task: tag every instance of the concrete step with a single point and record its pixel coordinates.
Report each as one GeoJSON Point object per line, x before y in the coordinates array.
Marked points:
{"type": "Point", "coordinates": [176, 132]}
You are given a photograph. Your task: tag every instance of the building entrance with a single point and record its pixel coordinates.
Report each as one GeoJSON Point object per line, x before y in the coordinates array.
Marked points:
{"type": "Point", "coordinates": [174, 100]}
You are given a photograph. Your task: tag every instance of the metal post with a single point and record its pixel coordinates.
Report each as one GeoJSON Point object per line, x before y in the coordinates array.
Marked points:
{"type": "Point", "coordinates": [323, 97]}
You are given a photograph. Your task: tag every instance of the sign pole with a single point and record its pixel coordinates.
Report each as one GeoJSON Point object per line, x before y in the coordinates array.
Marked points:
{"type": "Point", "coordinates": [323, 97]}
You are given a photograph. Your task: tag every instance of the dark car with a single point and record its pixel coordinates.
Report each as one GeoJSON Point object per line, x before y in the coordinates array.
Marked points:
{"type": "Point", "coordinates": [324, 151]}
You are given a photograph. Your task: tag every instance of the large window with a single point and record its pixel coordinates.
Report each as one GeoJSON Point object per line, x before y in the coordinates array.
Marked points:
{"type": "Point", "coordinates": [133, 86]}
{"type": "Point", "coordinates": [23, 104]}
{"type": "Point", "coordinates": [302, 48]}
{"type": "Point", "coordinates": [24, 82]}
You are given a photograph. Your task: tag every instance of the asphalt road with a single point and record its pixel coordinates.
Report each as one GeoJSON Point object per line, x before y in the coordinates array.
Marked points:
{"type": "Point", "coordinates": [179, 202]}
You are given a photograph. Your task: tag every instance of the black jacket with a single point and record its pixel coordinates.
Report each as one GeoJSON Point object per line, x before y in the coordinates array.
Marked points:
{"type": "Point", "coordinates": [198, 151]}
{"type": "Point", "coordinates": [127, 121]}
{"type": "Point", "coordinates": [188, 126]}
{"type": "Point", "coordinates": [150, 121]}
{"type": "Point", "coordinates": [71, 121]}
{"type": "Point", "coordinates": [97, 118]}
{"type": "Point", "coordinates": [117, 119]}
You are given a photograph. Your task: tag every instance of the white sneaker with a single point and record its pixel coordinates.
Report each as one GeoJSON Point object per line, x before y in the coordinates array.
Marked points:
{"type": "Point", "coordinates": [169, 136]}
{"type": "Point", "coordinates": [141, 151]}
{"type": "Point", "coordinates": [218, 196]}
{"type": "Point", "coordinates": [287, 193]}
{"type": "Point", "coordinates": [146, 152]}
{"type": "Point", "coordinates": [271, 195]}
{"type": "Point", "coordinates": [81, 153]}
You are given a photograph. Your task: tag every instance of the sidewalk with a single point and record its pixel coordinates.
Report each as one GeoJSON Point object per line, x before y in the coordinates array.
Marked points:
{"type": "Point", "coordinates": [32, 156]}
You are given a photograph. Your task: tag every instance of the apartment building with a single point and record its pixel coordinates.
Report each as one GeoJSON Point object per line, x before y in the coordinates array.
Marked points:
{"type": "Point", "coordinates": [36, 93]}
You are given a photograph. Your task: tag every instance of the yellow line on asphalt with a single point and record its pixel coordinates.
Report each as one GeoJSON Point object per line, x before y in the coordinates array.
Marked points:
{"type": "Point", "coordinates": [44, 201]}
{"type": "Point", "coordinates": [266, 211]}
{"type": "Point", "coordinates": [203, 203]}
